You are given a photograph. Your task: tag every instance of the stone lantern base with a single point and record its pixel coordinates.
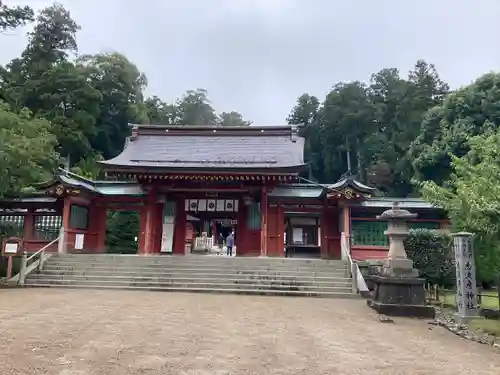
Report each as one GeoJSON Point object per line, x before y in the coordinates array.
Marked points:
{"type": "Point", "coordinates": [398, 292]}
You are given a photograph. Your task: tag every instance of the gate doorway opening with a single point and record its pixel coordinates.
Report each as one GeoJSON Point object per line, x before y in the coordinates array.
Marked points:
{"type": "Point", "coordinates": [209, 233]}
{"type": "Point", "coordinates": [122, 230]}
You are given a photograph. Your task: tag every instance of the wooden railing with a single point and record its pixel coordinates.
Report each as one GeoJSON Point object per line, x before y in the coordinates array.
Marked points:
{"type": "Point", "coordinates": [358, 281]}
{"type": "Point", "coordinates": [36, 260]}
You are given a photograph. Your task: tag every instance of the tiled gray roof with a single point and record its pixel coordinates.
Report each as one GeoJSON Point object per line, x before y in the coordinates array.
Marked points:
{"type": "Point", "coordinates": [229, 151]}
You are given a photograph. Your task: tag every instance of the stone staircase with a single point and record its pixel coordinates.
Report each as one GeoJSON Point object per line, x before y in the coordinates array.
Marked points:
{"type": "Point", "coordinates": [196, 273]}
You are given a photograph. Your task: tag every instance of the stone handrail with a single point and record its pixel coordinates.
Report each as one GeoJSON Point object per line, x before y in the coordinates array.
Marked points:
{"type": "Point", "coordinates": [26, 269]}
{"type": "Point", "coordinates": [358, 281]}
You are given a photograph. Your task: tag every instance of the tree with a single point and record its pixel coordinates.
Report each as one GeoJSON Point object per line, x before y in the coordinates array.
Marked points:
{"type": "Point", "coordinates": [52, 39]}
{"type": "Point", "coordinates": [121, 85]}
{"type": "Point", "coordinates": [194, 108]}
{"type": "Point", "coordinates": [44, 80]}
{"type": "Point", "coordinates": [390, 141]}
{"type": "Point", "coordinates": [472, 198]}
{"type": "Point", "coordinates": [161, 113]}
{"type": "Point", "coordinates": [426, 87]}
{"type": "Point", "coordinates": [306, 112]}
{"type": "Point", "coordinates": [347, 120]}
{"type": "Point", "coordinates": [232, 118]}
{"type": "Point", "coordinates": [469, 111]}
{"type": "Point", "coordinates": [12, 17]}
{"type": "Point", "coordinates": [401, 105]}
{"type": "Point", "coordinates": [26, 150]}
{"type": "Point", "coordinates": [50, 42]}
{"type": "Point", "coordinates": [88, 167]}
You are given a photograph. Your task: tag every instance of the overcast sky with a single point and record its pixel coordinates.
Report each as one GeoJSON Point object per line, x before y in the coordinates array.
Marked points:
{"type": "Point", "coordinates": [258, 56]}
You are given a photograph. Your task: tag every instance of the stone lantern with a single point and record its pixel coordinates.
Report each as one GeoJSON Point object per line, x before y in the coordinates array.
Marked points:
{"type": "Point", "coordinates": [397, 263]}
{"type": "Point", "coordinates": [397, 288]}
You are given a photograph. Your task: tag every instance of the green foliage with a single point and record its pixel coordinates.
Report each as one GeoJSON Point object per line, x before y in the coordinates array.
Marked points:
{"type": "Point", "coordinates": [122, 228]}
{"type": "Point", "coordinates": [432, 255]}
{"type": "Point", "coordinates": [44, 80]}
{"type": "Point", "coordinates": [193, 108]}
{"type": "Point", "coordinates": [161, 113]}
{"type": "Point", "coordinates": [306, 112]}
{"type": "Point", "coordinates": [88, 167]}
{"type": "Point", "coordinates": [26, 150]}
{"type": "Point", "coordinates": [52, 39]}
{"type": "Point", "coordinates": [121, 85]}
{"type": "Point", "coordinates": [12, 17]}
{"type": "Point", "coordinates": [469, 111]}
{"type": "Point", "coordinates": [232, 119]}
{"type": "Point", "coordinates": [375, 124]}
{"type": "Point", "coordinates": [471, 197]}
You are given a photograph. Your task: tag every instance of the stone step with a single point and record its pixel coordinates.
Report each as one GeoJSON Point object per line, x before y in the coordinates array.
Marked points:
{"type": "Point", "coordinates": [194, 257]}
{"type": "Point", "coordinates": [197, 260]}
{"type": "Point", "coordinates": [344, 283]}
{"type": "Point", "coordinates": [192, 285]}
{"type": "Point", "coordinates": [189, 264]}
{"type": "Point", "coordinates": [267, 276]}
{"type": "Point", "coordinates": [268, 271]}
{"type": "Point", "coordinates": [248, 291]}
{"type": "Point", "coordinates": [199, 273]}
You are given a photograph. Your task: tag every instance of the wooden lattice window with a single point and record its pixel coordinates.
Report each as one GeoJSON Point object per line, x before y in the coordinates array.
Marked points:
{"type": "Point", "coordinates": [369, 233]}
{"type": "Point", "coordinates": [46, 227]}
{"type": "Point", "coordinates": [12, 225]}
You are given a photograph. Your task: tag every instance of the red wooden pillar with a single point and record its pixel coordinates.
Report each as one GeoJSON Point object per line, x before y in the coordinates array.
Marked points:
{"type": "Point", "coordinates": [158, 227]}
{"type": "Point", "coordinates": [100, 217]}
{"type": "Point", "coordinates": [66, 212]}
{"type": "Point", "coordinates": [241, 230]}
{"type": "Point", "coordinates": [263, 222]}
{"type": "Point", "coordinates": [142, 229]}
{"type": "Point", "coordinates": [330, 241]}
{"type": "Point", "coordinates": [28, 225]}
{"type": "Point", "coordinates": [180, 228]}
{"type": "Point", "coordinates": [346, 222]}
{"type": "Point", "coordinates": [275, 231]}
{"type": "Point", "coordinates": [147, 222]}
{"type": "Point", "coordinates": [65, 223]}
{"type": "Point", "coordinates": [324, 224]}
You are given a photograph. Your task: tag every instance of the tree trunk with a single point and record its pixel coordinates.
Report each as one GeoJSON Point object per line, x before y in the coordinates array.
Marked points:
{"type": "Point", "coordinates": [360, 164]}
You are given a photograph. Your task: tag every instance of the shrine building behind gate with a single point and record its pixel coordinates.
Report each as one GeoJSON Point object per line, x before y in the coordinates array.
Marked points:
{"type": "Point", "coordinates": [193, 183]}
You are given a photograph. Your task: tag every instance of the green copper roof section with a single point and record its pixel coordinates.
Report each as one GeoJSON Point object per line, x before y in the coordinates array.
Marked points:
{"type": "Point", "coordinates": [107, 188]}
{"type": "Point", "coordinates": [305, 191]}
{"type": "Point", "coordinates": [120, 189]}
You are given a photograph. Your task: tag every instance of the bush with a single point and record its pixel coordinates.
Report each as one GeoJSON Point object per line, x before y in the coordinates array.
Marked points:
{"type": "Point", "coordinates": [432, 254]}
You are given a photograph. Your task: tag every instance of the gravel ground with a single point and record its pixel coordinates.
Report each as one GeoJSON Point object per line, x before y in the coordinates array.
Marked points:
{"type": "Point", "coordinates": [75, 332]}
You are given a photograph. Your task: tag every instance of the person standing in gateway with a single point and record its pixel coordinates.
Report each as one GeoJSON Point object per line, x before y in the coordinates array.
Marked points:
{"type": "Point", "coordinates": [230, 244]}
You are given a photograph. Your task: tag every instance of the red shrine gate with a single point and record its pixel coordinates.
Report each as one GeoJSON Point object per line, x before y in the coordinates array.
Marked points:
{"type": "Point", "coordinates": [185, 181]}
